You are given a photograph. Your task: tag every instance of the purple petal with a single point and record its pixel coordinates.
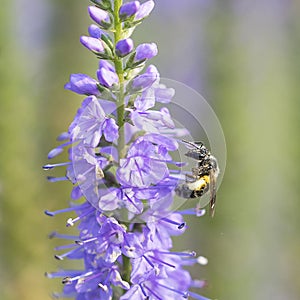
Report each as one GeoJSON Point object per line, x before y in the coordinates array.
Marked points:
{"type": "Point", "coordinates": [110, 130]}
{"type": "Point", "coordinates": [92, 44]}
{"type": "Point", "coordinates": [106, 65]}
{"type": "Point", "coordinates": [145, 101]}
{"type": "Point", "coordinates": [89, 123]}
{"type": "Point", "coordinates": [82, 84]}
{"type": "Point", "coordinates": [54, 152]}
{"type": "Point", "coordinates": [124, 47]}
{"type": "Point", "coordinates": [163, 94]}
{"type": "Point", "coordinates": [117, 280]}
{"type": "Point", "coordinates": [146, 79]}
{"type": "Point", "coordinates": [129, 9]}
{"type": "Point", "coordinates": [170, 143]}
{"type": "Point", "coordinates": [145, 51]}
{"type": "Point", "coordinates": [144, 10]}
{"type": "Point", "coordinates": [111, 200]}
{"type": "Point", "coordinates": [100, 16]}
{"type": "Point", "coordinates": [95, 31]}
{"type": "Point", "coordinates": [166, 118]}
{"type": "Point", "coordinates": [107, 78]}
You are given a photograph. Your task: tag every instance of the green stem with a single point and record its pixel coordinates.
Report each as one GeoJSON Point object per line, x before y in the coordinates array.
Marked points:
{"type": "Point", "coordinates": [118, 35]}
{"type": "Point", "coordinates": [126, 268]}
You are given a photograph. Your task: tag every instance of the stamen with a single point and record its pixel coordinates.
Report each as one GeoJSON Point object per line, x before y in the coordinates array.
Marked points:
{"type": "Point", "coordinates": [67, 280]}
{"type": "Point", "coordinates": [53, 213]}
{"type": "Point", "coordinates": [184, 254]}
{"type": "Point", "coordinates": [86, 241]}
{"type": "Point", "coordinates": [103, 287]}
{"type": "Point", "coordinates": [201, 260]}
{"type": "Point", "coordinates": [51, 166]}
{"type": "Point", "coordinates": [63, 136]}
{"type": "Point", "coordinates": [179, 225]}
{"type": "Point", "coordinates": [193, 211]}
{"type": "Point", "coordinates": [71, 221]}
{"type": "Point", "coordinates": [63, 273]}
{"type": "Point", "coordinates": [56, 179]}
{"type": "Point", "coordinates": [62, 247]}
{"type": "Point", "coordinates": [62, 256]}
{"type": "Point", "coordinates": [62, 236]}
{"type": "Point", "coordinates": [54, 152]}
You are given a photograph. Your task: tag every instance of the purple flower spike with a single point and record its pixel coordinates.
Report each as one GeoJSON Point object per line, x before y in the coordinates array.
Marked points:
{"type": "Point", "coordinates": [82, 84]}
{"type": "Point", "coordinates": [100, 16]}
{"type": "Point", "coordinates": [145, 80]}
{"type": "Point", "coordinates": [145, 51]}
{"type": "Point", "coordinates": [144, 10]}
{"type": "Point", "coordinates": [92, 44]}
{"type": "Point", "coordinates": [124, 47]}
{"type": "Point", "coordinates": [120, 162]}
{"type": "Point", "coordinates": [129, 9]}
{"type": "Point", "coordinates": [106, 77]}
{"type": "Point", "coordinates": [95, 31]}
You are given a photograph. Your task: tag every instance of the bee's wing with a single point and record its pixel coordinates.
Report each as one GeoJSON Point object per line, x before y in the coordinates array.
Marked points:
{"type": "Point", "coordinates": [192, 145]}
{"type": "Point", "coordinates": [213, 192]}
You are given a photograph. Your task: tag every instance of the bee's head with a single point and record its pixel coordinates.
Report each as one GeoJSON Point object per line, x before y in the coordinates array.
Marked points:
{"type": "Point", "coordinates": [198, 151]}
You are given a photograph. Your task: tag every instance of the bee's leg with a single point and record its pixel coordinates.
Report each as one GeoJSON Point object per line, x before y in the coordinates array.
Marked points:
{"type": "Point", "coordinates": [195, 172]}
{"type": "Point", "coordinates": [190, 177]}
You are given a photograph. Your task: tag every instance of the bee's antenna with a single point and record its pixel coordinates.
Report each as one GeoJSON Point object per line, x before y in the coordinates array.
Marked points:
{"type": "Point", "coordinates": [196, 145]}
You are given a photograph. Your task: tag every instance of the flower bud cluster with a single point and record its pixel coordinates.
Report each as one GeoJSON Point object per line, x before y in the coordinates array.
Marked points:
{"type": "Point", "coordinates": [122, 171]}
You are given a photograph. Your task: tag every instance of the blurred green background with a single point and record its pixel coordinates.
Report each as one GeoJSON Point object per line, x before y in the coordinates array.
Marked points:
{"type": "Point", "coordinates": [242, 56]}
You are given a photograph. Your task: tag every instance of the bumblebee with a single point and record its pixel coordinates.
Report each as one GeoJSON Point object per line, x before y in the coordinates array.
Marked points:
{"type": "Point", "coordinates": [203, 177]}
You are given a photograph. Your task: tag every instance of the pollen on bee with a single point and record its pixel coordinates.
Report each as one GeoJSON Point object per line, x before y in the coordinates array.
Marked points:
{"type": "Point", "coordinates": [199, 184]}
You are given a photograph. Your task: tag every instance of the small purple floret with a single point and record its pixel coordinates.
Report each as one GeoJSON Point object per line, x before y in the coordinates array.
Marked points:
{"type": "Point", "coordinates": [107, 78]}
{"type": "Point", "coordinates": [145, 10]}
{"type": "Point", "coordinates": [92, 44]}
{"type": "Point", "coordinates": [124, 47]}
{"type": "Point", "coordinates": [100, 16]}
{"type": "Point", "coordinates": [106, 65]}
{"type": "Point", "coordinates": [145, 51]}
{"type": "Point", "coordinates": [95, 31]}
{"type": "Point", "coordinates": [145, 80]}
{"type": "Point", "coordinates": [129, 9]}
{"type": "Point", "coordinates": [82, 84]}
